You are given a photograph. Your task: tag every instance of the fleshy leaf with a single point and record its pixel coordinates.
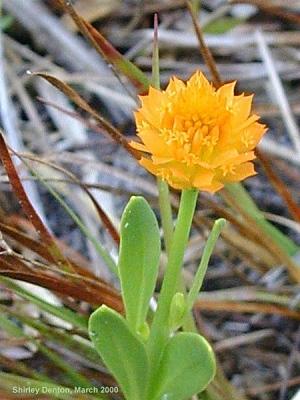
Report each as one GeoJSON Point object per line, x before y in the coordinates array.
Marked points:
{"type": "Point", "coordinates": [138, 259]}
{"type": "Point", "coordinates": [121, 349]}
{"type": "Point", "coordinates": [178, 310]}
{"type": "Point", "coordinates": [186, 367]}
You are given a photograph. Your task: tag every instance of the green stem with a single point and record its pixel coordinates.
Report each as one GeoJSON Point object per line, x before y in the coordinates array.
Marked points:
{"type": "Point", "coordinates": [188, 324]}
{"type": "Point", "coordinates": [159, 332]}
{"type": "Point", "coordinates": [165, 212]}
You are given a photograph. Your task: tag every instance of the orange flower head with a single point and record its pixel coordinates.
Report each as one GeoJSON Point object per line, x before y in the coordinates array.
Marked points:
{"type": "Point", "coordinates": [196, 136]}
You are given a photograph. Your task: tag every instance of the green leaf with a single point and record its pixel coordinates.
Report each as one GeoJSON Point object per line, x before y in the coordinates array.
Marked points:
{"type": "Point", "coordinates": [138, 259]}
{"type": "Point", "coordinates": [186, 367]}
{"type": "Point", "coordinates": [6, 22]}
{"type": "Point", "coordinates": [223, 25]}
{"type": "Point", "coordinates": [178, 310]}
{"type": "Point", "coordinates": [122, 351]}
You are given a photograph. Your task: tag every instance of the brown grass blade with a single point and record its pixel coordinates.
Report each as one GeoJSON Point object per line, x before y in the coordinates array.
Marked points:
{"type": "Point", "coordinates": [206, 53]}
{"type": "Point", "coordinates": [279, 185]}
{"type": "Point", "coordinates": [95, 293]}
{"type": "Point", "coordinates": [107, 51]}
{"type": "Point", "coordinates": [73, 96]}
{"type": "Point", "coordinates": [18, 189]}
{"type": "Point", "coordinates": [246, 307]}
{"type": "Point", "coordinates": [103, 216]}
{"type": "Point", "coordinates": [12, 262]}
{"type": "Point", "coordinates": [13, 226]}
{"type": "Point", "coordinates": [83, 285]}
{"type": "Point", "coordinates": [265, 238]}
{"type": "Point", "coordinates": [25, 240]}
{"type": "Point", "coordinates": [271, 9]}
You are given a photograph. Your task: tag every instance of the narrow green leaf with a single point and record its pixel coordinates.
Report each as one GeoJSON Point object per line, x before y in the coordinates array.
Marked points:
{"type": "Point", "coordinates": [56, 335]}
{"type": "Point", "coordinates": [223, 25]}
{"type": "Point", "coordinates": [122, 351]}
{"type": "Point", "coordinates": [208, 249]}
{"type": "Point", "coordinates": [186, 367]}
{"type": "Point", "coordinates": [138, 259]}
{"type": "Point", "coordinates": [71, 375]}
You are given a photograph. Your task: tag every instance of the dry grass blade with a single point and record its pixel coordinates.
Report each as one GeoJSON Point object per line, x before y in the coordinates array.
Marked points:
{"type": "Point", "coordinates": [279, 185]}
{"type": "Point", "coordinates": [208, 58]}
{"type": "Point", "coordinates": [95, 293]}
{"type": "Point", "coordinates": [10, 262]}
{"type": "Point", "coordinates": [8, 122]}
{"type": "Point", "coordinates": [107, 51]}
{"type": "Point", "coordinates": [249, 306]}
{"type": "Point", "coordinates": [272, 7]}
{"type": "Point", "coordinates": [263, 390]}
{"type": "Point", "coordinates": [246, 307]}
{"type": "Point", "coordinates": [93, 10]}
{"type": "Point", "coordinates": [101, 213]}
{"type": "Point", "coordinates": [250, 235]}
{"type": "Point", "coordinates": [279, 92]}
{"type": "Point", "coordinates": [83, 285]}
{"type": "Point", "coordinates": [14, 226]}
{"type": "Point", "coordinates": [57, 256]}
{"type": "Point", "coordinates": [266, 239]}
{"type": "Point", "coordinates": [73, 96]}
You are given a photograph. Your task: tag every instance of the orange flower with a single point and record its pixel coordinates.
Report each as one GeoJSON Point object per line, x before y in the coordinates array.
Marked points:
{"type": "Point", "coordinates": [196, 136]}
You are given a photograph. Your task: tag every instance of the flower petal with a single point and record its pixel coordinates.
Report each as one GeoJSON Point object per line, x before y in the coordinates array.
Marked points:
{"type": "Point", "coordinates": [197, 136]}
